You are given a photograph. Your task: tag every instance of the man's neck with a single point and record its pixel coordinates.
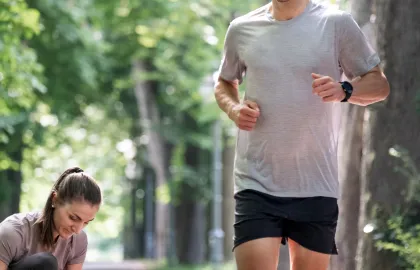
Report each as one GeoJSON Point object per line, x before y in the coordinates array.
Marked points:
{"type": "Point", "coordinates": [283, 11]}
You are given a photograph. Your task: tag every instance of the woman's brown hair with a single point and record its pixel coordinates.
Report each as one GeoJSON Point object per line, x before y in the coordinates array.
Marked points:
{"type": "Point", "coordinates": [72, 185]}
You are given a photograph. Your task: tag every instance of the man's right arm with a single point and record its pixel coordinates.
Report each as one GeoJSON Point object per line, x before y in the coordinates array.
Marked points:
{"type": "Point", "coordinates": [227, 96]}
{"type": "Point", "coordinates": [3, 266]}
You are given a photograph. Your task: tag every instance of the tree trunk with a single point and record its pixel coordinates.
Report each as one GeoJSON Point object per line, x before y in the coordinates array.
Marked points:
{"type": "Point", "coordinates": [394, 122]}
{"type": "Point", "coordinates": [191, 228]}
{"type": "Point", "coordinates": [350, 160]}
{"type": "Point", "coordinates": [228, 201]}
{"type": "Point", "coordinates": [11, 183]}
{"type": "Point", "coordinates": [191, 216]}
{"type": "Point", "coordinates": [197, 237]}
{"type": "Point", "coordinates": [150, 122]}
{"type": "Point", "coordinates": [11, 178]}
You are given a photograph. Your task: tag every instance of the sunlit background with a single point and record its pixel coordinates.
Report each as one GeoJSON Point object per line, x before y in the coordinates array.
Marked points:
{"type": "Point", "coordinates": [124, 90]}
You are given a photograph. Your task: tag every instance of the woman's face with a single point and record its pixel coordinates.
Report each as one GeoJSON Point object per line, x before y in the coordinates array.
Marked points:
{"type": "Point", "coordinates": [71, 218]}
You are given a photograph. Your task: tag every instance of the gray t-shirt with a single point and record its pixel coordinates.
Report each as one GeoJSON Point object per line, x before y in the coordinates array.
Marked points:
{"type": "Point", "coordinates": [292, 151]}
{"type": "Point", "coordinates": [19, 237]}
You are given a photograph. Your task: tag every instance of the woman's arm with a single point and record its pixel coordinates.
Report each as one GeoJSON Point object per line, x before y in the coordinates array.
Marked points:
{"type": "Point", "coordinates": [11, 243]}
{"type": "Point", "coordinates": [78, 266]}
{"type": "Point", "coordinates": [3, 266]}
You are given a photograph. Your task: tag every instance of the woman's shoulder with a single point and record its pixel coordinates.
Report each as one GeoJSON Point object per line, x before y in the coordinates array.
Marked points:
{"type": "Point", "coordinates": [17, 229]}
{"type": "Point", "coordinates": [20, 221]}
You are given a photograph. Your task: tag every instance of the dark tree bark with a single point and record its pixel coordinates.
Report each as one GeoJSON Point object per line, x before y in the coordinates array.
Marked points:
{"type": "Point", "coordinates": [393, 122]}
{"type": "Point", "coordinates": [191, 216]}
{"type": "Point", "coordinates": [11, 178]}
{"type": "Point", "coordinates": [350, 162]}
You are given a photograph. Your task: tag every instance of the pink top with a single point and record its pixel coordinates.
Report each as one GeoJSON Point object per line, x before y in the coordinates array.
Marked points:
{"type": "Point", "coordinates": [19, 237]}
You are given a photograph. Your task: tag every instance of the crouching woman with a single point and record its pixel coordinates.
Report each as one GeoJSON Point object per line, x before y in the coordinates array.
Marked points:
{"type": "Point", "coordinates": [54, 238]}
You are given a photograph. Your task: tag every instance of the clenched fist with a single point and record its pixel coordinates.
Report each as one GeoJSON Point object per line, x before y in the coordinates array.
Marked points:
{"type": "Point", "coordinates": [245, 115]}
{"type": "Point", "coordinates": [327, 88]}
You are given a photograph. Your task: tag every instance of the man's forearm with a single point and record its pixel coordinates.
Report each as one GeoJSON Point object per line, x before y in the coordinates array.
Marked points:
{"type": "Point", "coordinates": [370, 88]}
{"type": "Point", "coordinates": [227, 95]}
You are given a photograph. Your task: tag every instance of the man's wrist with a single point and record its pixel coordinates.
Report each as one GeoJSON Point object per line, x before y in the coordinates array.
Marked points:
{"type": "Point", "coordinates": [230, 110]}
{"type": "Point", "coordinates": [348, 90]}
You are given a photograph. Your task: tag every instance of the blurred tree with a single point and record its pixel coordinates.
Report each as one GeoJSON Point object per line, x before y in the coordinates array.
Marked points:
{"type": "Point", "coordinates": [70, 50]}
{"type": "Point", "coordinates": [350, 160]}
{"type": "Point", "coordinates": [20, 75]}
{"type": "Point", "coordinates": [171, 47]}
{"type": "Point", "coordinates": [228, 190]}
{"type": "Point", "coordinates": [89, 51]}
{"type": "Point", "coordinates": [392, 126]}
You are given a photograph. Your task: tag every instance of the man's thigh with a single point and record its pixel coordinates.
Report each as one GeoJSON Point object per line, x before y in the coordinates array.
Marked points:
{"type": "Point", "coordinates": [258, 233]}
{"type": "Point", "coordinates": [302, 258]}
{"type": "Point", "coordinates": [261, 253]}
{"type": "Point", "coordinates": [311, 244]}
{"type": "Point", "coordinates": [268, 219]}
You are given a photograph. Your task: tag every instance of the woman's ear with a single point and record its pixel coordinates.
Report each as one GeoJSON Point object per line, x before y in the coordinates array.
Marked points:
{"type": "Point", "coordinates": [53, 199]}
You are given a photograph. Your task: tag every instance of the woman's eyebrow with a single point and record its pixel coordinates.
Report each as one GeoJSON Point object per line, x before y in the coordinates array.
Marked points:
{"type": "Point", "coordinates": [81, 219]}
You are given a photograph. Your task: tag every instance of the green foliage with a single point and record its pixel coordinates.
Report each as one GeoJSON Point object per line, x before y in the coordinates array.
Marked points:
{"type": "Point", "coordinates": [66, 91]}
{"type": "Point", "coordinates": [401, 232]}
{"type": "Point", "coordinates": [179, 42]}
{"type": "Point", "coordinates": [404, 240]}
{"type": "Point", "coordinates": [20, 72]}
{"type": "Point", "coordinates": [71, 51]}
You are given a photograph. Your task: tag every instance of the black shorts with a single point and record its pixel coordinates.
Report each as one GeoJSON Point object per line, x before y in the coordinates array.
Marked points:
{"type": "Point", "coordinates": [311, 221]}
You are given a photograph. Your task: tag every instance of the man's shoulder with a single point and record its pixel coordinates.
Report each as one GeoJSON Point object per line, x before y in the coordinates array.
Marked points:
{"type": "Point", "coordinates": [328, 11]}
{"type": "Point", "coordinates": [252, 16]}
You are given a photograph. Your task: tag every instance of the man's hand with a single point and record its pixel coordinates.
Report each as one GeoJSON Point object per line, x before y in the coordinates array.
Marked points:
{"type": "Point", "coordinates": [245, 115]}
{"type": "Point", "coordinates": [328, 89]}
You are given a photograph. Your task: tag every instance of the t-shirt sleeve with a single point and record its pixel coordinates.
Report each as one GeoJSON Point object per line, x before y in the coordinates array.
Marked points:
{"type": "Point", "coordinates": [231, 67]}
{"type": "Point", "coordinates": [79, 249]}
{"type": "Point", "coordinates": [10, 242]}
{"type": "Point", "coordinates": [356, 55]}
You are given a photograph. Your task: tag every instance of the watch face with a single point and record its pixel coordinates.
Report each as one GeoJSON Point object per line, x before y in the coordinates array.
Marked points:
{"type": "Point", "coordinates": [348, 87]}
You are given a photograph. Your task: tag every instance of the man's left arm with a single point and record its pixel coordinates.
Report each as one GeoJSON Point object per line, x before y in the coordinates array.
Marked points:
{"type": "Point", "coordinates": [359, 62]}
{"type": "Point", "coordinates": [367, 89]}
{"type": "Point", "coordinates": [370, 88]}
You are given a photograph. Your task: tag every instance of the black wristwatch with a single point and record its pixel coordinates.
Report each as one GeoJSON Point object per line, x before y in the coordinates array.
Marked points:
{"type": "Point", "coordinates": [348, 89]}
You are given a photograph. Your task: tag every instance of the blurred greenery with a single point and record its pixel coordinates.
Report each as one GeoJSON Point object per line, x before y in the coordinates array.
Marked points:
{"type": "Point", "coordinates": [401, 232]}
{"type": "Point", "coordinates": [66, 96]}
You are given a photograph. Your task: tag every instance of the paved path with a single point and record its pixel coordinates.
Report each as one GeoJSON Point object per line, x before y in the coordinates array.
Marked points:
{"type": "Point", "coordinates": [126, 265]}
